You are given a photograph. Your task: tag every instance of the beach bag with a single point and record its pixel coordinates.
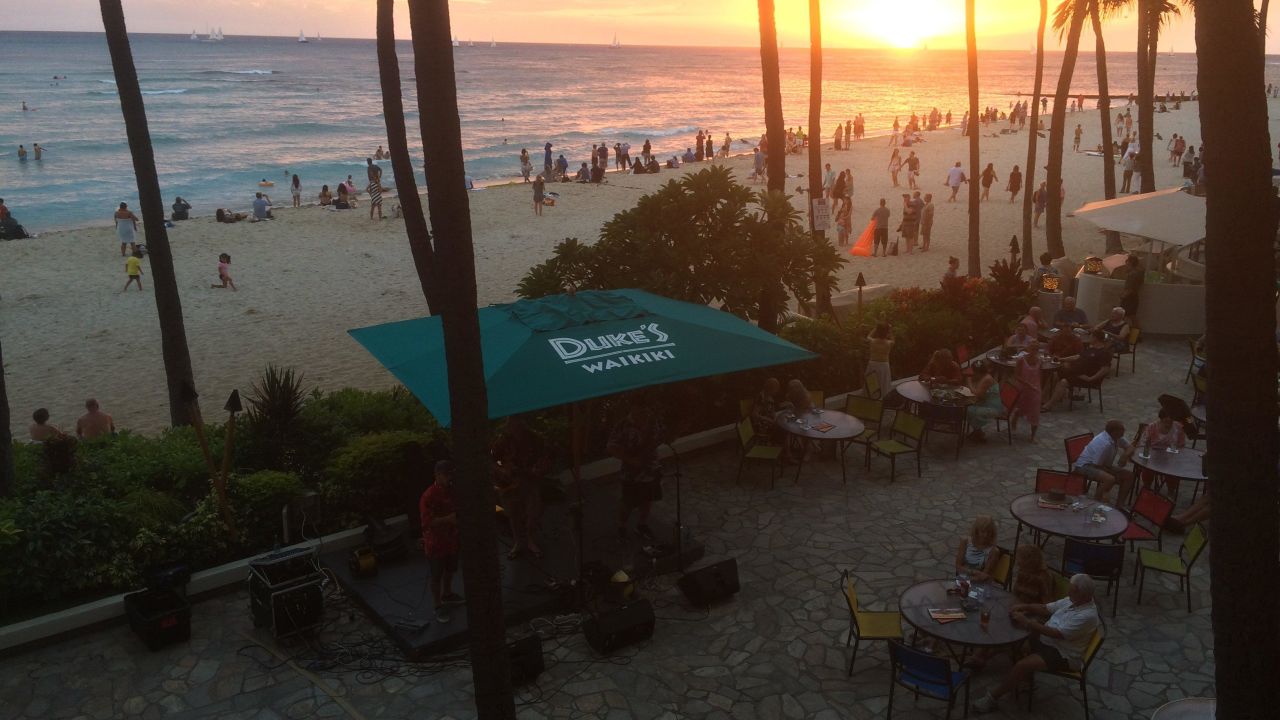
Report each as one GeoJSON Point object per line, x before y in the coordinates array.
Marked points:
{"type": "Point", "coordinates": [862, 246]}
{"type": "Point", "coordinates": [893, 250]}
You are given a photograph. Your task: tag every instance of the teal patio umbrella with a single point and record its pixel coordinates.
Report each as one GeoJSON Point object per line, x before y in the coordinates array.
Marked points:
{"type": "Point", "coordinates": [562, 349]}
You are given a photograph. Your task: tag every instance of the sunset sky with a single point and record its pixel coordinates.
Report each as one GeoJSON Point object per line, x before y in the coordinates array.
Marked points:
{"type": "Point", "coordinates": [1002, 24]}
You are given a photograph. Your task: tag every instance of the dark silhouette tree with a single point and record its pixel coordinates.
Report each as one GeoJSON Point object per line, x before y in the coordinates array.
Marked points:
{"type": "Point", "coordinates": [1240, 275]}
{"type": "Point", "coordinates": [1104, 114]}
{"type": "Point", "coordinates": [179, 376]}
{"type": "Point", "coordinates": [821, 288]}
{"type": "Point", "coordinates": [1152, 14]}
{"type": "Point", "coordinates": [975, 158]}
{"type": "Point", "coordinates": [1033, 139]}
{"type": "Point", "coordinates": [1071, 15]}
{"type": "Point", "coordinates": [468, 401]}
{"type": "Point", "coordinates": [6, 437]}
{"type": "Point", "coordinates": [770, 73]}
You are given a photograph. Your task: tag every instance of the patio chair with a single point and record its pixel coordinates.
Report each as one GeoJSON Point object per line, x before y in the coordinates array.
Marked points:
{"type": "Point", "coordinates": [1061, 584]}
{"type": "Point", "coordinates": [1090, 385]}
{"type": "Point", "coordinates": [1081, 676]}
{"type": "Point", "coordinates": [869, 411]}
{"type": "Point", "coordinates": [1003, 571]}
{"type": "Point", "coordinates": [1009, 399]}
{"type": "Point", "coordinates": [1058, 481]}
{"type": "Point", "coordinates": [1200, 386]}
{"type": "Point", "coordinates": [1196, 362]}
{"type": "Point", "coordinates": [1097, 560]}
{"type": "Point", "coordinates": [871, 383]}
{"type": "Point", "coordinates": [1075, 445]}
{"type": "Point", "coordinates": [948, 419]}
{"type": "Point", "coordinates": [866, 625]}
{"type": "Point", "coordinates": [756, 449]}
{"type": "Point", "coordinates": [1192, 545]}
{"type": "Point", "coordinates": [1131, 343]}
{"type": "Point", "coordinates": [927, 675]}
{"type": "Point", "coordinates": [818, 398]}
{"type": "Point", "coordinates": [1155, 509]}
{"type": "Point", "coordinates": [908, 427]}
{"type": "Point", "coordinates": [745, 408]}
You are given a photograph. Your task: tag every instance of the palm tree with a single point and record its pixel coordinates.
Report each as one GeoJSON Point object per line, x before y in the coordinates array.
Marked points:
{"type": "Point", "coordinates": [179, 378]}
{"type": "Point", "coordinates": [1070, 14]}
{"type": "Point", "coordinates": [1033, 140]}
{"type": "Point", "coordinates": [6, 437]}
{"type": "Point", "coordinates": [1151, 15]}
{"type": "Point", "coordinates": [415, 223]}
{"type": "Point", "coordinates": [468, 402]}
{"type": "Point", "coordinates": [770, 302]}
{"type": "Point", "coordinates": [1104, 113]}
{"type": "Point", "coordinates": [975, 239]}
{"type": "Point", "coordinates": [821, 289]}
{"type": "Point", "coordinates": [1262, 24]}
{"type": "Point", "coordinates": [1240, 272]}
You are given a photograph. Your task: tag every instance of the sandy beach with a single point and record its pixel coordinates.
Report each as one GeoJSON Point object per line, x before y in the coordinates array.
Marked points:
{"type": "Point", "coordinates": [310, 275]}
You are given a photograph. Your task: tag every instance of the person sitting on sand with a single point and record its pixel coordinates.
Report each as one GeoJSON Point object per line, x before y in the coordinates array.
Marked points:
{"type": "Point", "coordinates": [40, 429]}
{"type": "Point", "coordinates": [181, 209]}
{"type": "Point", "coordinates": [224, 273]}
{"type": "Point", "coordinates": [326, 196]}
{"type": "Point", "coordinates": [688, 156]}
{"type": "Point", "coordinates": [583, 175]}
{"type": "Point", "coordinates": [223, 215]}
{"type": "Point", "coordinates": [261, 207]}
{"type": "Point", "coordinates": [94, 423]}
{"type": "Point", "coordinates": [653, 167]}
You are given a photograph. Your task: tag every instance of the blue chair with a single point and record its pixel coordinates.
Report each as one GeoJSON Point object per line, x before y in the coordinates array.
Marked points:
{"type": "Point", "coordinates": [1098, 561]}
{"type": "Point", "coordinates": [926, 675]}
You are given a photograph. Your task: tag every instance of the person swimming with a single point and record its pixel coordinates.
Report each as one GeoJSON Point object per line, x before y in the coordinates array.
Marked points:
{"type": "Point", "coordinates": [266, 183]}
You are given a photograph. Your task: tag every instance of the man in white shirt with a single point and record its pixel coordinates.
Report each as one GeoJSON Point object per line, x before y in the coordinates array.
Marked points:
{"type": "Point", "coordinates": [1057, 644]}
{"type": "Point", "coordinates": [955, 176]}
{"type": "Point", "coordinates": [1098, 462]}
{"type": "Point", "coordinates": [828, 181]}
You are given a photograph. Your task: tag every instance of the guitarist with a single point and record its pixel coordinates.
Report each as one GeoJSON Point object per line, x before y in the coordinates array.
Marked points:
{"type": "Point", "coordinates": [520, 462]}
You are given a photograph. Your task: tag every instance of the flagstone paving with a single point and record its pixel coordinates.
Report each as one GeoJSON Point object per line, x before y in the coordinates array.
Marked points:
{"type": "Point", "coordinates": [777, 650]}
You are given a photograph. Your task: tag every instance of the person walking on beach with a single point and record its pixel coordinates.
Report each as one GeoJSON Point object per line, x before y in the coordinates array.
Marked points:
{"type": "Point", "coordinates": [526, 167]}
{"type": "Point", "coordinates": [926, 222]}
{"type": "Point", "coordinates": [1015, 183]}
{"type": "Point", "coordinates": [988, 177]}
{"type": "Point", "coordinates": [1040, 198]}
{"type": "Point", "coordinates": [539, 188]}
{"type": "Point", "coordinates": [913, 170]}
{"type": "Point", "coordinates": [133, 268]}
{"type": "Point", "coordinates": [546, 158]}
{"type": "Point", "coordinates": [1129, 163]}
{"type": "Point", "coordinates": [295, 187]}
{"type": "Point", "coordinates": [895, 166]}
{"type": "Point", "coordinates": [955, 178]}
{"type": "Point", "coordinates": [1075, 144]}
{"type": "Point", "coordinates": [758, 166]}
{"type": "Point", "coordinates": [880, 237]}
{"type": "Point", "coordinates": [224, 274]}
{"type": "Point", "coordinates": [828, 182]}
{"type": "Point", "coordinates": [126, 228]}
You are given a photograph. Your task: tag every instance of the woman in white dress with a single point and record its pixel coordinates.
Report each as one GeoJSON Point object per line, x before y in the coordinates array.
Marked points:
{"type": "Point", "coordinates": [126, 229]}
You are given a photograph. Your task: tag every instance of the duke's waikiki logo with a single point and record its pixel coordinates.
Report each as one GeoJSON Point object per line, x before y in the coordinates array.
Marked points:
{"type": "Point", "coordinates": [615, 350]}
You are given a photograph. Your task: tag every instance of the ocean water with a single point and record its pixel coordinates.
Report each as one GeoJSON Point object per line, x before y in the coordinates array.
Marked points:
{"type": "Point", "coordinates": [225, 115]}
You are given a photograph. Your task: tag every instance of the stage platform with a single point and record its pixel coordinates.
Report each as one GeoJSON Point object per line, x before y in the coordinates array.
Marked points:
{"type": "Point", "coordinates": [397, 597]}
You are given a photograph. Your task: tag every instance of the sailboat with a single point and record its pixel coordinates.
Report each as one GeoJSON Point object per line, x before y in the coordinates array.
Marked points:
{"type": "Point", "coordinates": [317, 37]}
{"type": "Point", "coordinates": [194, 36]}
{"type": "Point", "coordinates": [615, 44]}
{"type": "Point", "coordinates": [214, 35]}
{"type": "Point", "coordinates": [455, 41]}
{"type": "Point", "coordinates": [302, 38]}
{"type": "Point", "coordinates": [492, 43]}
{"type": "Point", "coordinates": [471, 43]}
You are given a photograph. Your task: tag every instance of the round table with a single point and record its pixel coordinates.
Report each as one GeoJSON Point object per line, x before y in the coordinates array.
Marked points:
{"type": "Point", "coordinates": [1186, 465]}
{"type": "Point", "coordinates": [1066, 522]}
{"type": "Point", "coordinates": [918, 392]}
{"type": "Point", "coordinates": [919, 599]}
{"type": "Point", "coordinates": [844, 428]}
{"type": "Point", "coordinates": [945, 416]}
{"type": "Point", "coordinates": [1048, 363]}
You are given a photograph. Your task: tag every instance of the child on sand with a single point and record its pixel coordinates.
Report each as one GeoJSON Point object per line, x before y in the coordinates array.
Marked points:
{"type": "Point", "coordinates": [224, 273]}
{"type": "Point", "coordinates": [133, 268]}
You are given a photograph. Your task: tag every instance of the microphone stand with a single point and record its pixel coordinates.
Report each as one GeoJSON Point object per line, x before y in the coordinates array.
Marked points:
{"type": "Point", "coordinates": [679, 518]}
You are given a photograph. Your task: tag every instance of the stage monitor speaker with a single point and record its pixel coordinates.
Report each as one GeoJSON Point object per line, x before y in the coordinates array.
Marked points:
{"type": "Point", "coordinates": [627, 625]}
{"type": "Point", "coordinates": [711, 584]}
{"type": "Point", "coordinates": [526, 659]}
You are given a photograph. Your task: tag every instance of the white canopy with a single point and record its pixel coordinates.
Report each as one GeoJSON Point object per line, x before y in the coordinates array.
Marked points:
{"type": "Point", "coordinates": [1169, 216]}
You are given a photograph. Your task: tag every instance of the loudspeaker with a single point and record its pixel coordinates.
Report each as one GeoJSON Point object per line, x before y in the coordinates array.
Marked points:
{"type": "Point", "coordinates": [526, 659]}
{"type": "Point", "coordinates": [619, 628]}
{"type": "Point", "coordinates": [711, 584]}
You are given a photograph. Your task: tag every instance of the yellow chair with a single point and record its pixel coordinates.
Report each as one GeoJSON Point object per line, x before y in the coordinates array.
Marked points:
{"type": "Point", "coordinates": [870, 412]}
{"type": "Point", "coordinates": [745, 408]}
{"type": "Point", "coordinates": [872, 385]}
{"type": "Point", "coordinates": [1201, 385]}
{"type": "Point", "coordinates": [818, 399]}
{"type": "Point", "coordinates": [1004, 568]}
{"type": "Point", "coordinates": [1132, 351]}
{"type": "Point", "coordinates": [908, 427]}
{"type": "Point", "coordinates": [755, 449]}
{"type": "Point", "coordinates": [864, 625]}
{"type": "Point", "coordinates": [1061, 584]}
{"type": "Point", "coordinates": [1081, 676]}
{"type": "Point", "coordinates": [1173, 564]}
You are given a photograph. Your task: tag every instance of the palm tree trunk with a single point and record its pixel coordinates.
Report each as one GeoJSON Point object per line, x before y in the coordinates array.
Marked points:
{"type": "Point", "coordinates": [415, 223]}
{"type": "Point", "coordinates": [975, 239]}
{"type": "Point", "coordinates": [1148, 41]}
{"type": "Point", "coordinates": [1240, 227]}
{"type": "Point", "coordinates": [1053, 214]}
{"type": "Point", "coordinates": [821, 289]}
{"type": "Point", "coordinates": [6, 437]}
{"type": "Point", "coordinates": [1262, 24]}
{"type": "Point", "coordinates": [468, 401]}
{"type": "Point", "coordinates": [179, 376]}
{"type": "Point", "coordinates": [1033, 140]}
{"type": "Point", "coordinates": [770, 303]}
{"type": "Point", "coordinates": [1104, 112]}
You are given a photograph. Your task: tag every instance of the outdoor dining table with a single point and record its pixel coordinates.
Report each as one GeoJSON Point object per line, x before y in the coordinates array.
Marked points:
{"type": "Point", "coordinates": [843, 428]}
{"type": "Point", "coordinates": [1066, 522]}
{"type": "Point", "coordinates": [1048, 363]}
{"type": "Point", "coordinates": [944, 412]}
{"type": "Point", "coordinates": [966, 634]}
{"type": "Point", "coordinates": [1186, 465]}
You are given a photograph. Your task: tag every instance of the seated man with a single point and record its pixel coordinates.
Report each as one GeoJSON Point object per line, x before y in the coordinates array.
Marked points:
{"type": "Point", "coordinates": [583, 175]}
{"type": "Point", "coordinates": [688, 156]}
{"type": "Point", "coordinates": [1034, 322]}
{"type": "Point", "coordinates": [181, 209]}
{"type": "Point", "coordinates": [1084, 370]}
{"type": "Point", "coordinates": [653, 166]}
{"type": "Point", "coordinates": [94, 423]}
{"type": "Point", "coordinates": [1060, 633]}
{"type": "Point", "coordinates": [261, 207]}
{"type": "Point", "coordinates": [1065, 345]}
{"type": "Point", "coordinates": [1098, 462]}
{"type": "Point", "coordinates": [1070, 316]}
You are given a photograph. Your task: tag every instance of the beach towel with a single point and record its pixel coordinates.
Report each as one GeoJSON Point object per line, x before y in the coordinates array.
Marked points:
{"type": "Point", "coordinates": [862, 248]}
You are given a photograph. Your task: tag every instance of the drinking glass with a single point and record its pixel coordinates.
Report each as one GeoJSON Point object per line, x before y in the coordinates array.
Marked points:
{"type": "Point", "coordinates": [984, 618]}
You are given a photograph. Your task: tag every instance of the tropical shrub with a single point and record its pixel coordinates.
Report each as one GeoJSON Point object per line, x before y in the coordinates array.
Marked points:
{"type": "Point", "coordinates": [379, 471]}
{"type": "Point", "coordinates": [841, 359]}
{"type": "Point", "coordinates": [257, 500]}
{"type": "Point", "coordinates": [171, 462]}
{"type": "Point", "coordinates": [354, 412]}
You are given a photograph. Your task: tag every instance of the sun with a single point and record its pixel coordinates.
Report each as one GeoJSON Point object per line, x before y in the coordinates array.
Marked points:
{"type": "Point", "coordinates": [901, 23]}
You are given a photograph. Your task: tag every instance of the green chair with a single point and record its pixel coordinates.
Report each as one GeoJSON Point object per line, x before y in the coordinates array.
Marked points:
{"type": "Point", "coordinates": [905, 437]}
{"type": "Point", "coordinates": [872, 385]}
{"type": "Point", "coordinates": [745, 408]}
{"type": "Point", "coordinates": [865, 625]}
{"type": "Point", "coordinates": [1003, 571]}
{"type": "Point", "coordinates": [1197, 361]}
{"type": "Point", "coordinates": [1131, 350]}
{"type": "Point", "coordinates": [1061, 584]}
{"type": "Point", "coordinates": [869, 411]}
{"type": "Point", "coordinates": [1081, 676]}
{"type": "Point", "coordinates": [758, 450]}
{"type": "Point", "coordinates": [1192, 545]}
{"type": "Point", "coordinates": [818, 399]}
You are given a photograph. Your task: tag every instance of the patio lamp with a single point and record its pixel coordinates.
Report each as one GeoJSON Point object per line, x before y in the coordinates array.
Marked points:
{"type": "Point", "coordinates": [1093, 265]}
{"type": "Point", "coordinates": [1049, 282]}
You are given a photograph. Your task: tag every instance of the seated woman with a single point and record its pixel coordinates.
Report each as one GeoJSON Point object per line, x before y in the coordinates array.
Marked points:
{"type": "Point", "coordinates": [344, 201]}
{"type": "Point", "coordinates": [1117, 329]}
{"type": "Point", "coordinates": [988, 405]}
{"type": "Point", "coordinates": [1032, 581]}
{"type": "Point", "coordinates": [942, 369]}
{"type": "Point", "coordinates": [226, 216]}
{"type": "Point", "coordinates": [977, 554]}
{"type": "Point", "coordinates": [326, 196]}
{"type": "Point", "coordinates": [181, 209]}
{"type": "Point", "coordinates": [798, 397]}
{"type": "Point", "coordinates": [1165, 433]}
{"type": "Point", "coordinates": [1019, 339]}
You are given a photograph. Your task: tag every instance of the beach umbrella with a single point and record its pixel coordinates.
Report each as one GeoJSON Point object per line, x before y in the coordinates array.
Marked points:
{"type": "Point", "coordinates": [562, 349]}
{"type": "Point", "coordinates": [1171, 217]}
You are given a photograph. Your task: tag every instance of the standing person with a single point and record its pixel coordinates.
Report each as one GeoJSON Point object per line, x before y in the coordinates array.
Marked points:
{"type": "Point", "coordinates": [758, 165]}
{"type": "Point", "coordinates": [1129, 163]}
{"type": "Point", "coordinates": [375, 188]}
{"type": "Point", "coordinates": [926, 222]}
{"type": "Point", "coordinates": [698, 145]}
{"type": "Point", "coordinates": [526, 167]}
{"type": "Point", "coordinates": [913, 170]}
{"type": "Point", "coordinates": [521, 461]}
{"type": "Point", "coordinates": [133, 268]}
{"type": "Point", "coordinates": [988, 177]}
{"type": "Point", "coordinates": [711, 148]}
{"type": "Point", "coordinates": [1173, 141]}
{"type": "Point", "coordinates": [955, 177]}
{"type": "Point", "coordinates": [837, 144]}
{"type": "Point", "coordinates": [126, 228]}
{"type": "Point", "coordinates": [94, 423]}
{"type": "Point", "coordinates": [1179, 147]}
{"type": "Point", "coordinates": [539, 189]}
{"type": "Point", "coordinates": [646, 151]}
{"type": "Point", "coordinates": [634, 441]}
{"type": "Point", "coordinates": [224, 274]}
{"type": "Point", "coordinates": [295, 187]}
{"type": "Point", "coordinates": [1075, 143]}
{"type": "Point", "coordinates": [546, 158]}
{"type": "Point", "coordinates": [844, 220]}
{"type": "Point", "coordinates": [879, 348]}
{"type": "Point", "coordinates": [880, 236]}
{"type": "Point", "coordinates": [617, 156]}
{"type": "Point", "coordinates": [22, 154]}
{"type": "Point", "coordinates": [910, 225]}
{"type": "Point", "coordinates": [1134, 279]}
{"type": "Point", "coordinates": [828, 181]}
{"type": "Point", "coordinates": [1040, 199]}
{"type": "Point", "coordinates": [603, 155]}
{"type": "Point", "coordinates": [37, 151]}
{"type": "Point", "coordinates": [1026, 376]}
{"type": "Point", "coordinates": [1015, 183]}
{"type": "Point", "coordinates": [595, 159]}
{"type": "Point", "coordinates": [895, 165]}
{"type": "Point", "coordinates": [440, 538]}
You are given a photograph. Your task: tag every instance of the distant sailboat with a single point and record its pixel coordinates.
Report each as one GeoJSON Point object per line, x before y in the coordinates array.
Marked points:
{"type": "Point", "coordinates": [302, 38]}
{"type": "Point", "coordinates": [214, 35]}
{"type": "Point", "coordinates": [493, 43]}
{"type": "Point", "coordinates": [615, 44]}
{"type": "Point", "coordinates": [194, 36]}
{"type": "Point", "coordinates": [471, 43]}
{"type": "Point", "coordinates": [317, 37]}
{"type": "Point", "coordinates": [455, 41]}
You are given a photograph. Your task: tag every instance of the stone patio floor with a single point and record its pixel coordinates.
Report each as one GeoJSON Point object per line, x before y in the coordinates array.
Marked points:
{"type": "Point", "coordinates": [776, 650]}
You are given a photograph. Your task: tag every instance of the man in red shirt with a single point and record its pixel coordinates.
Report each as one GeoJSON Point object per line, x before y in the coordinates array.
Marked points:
{"type": "Point", "coordinates": [440, 538]}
